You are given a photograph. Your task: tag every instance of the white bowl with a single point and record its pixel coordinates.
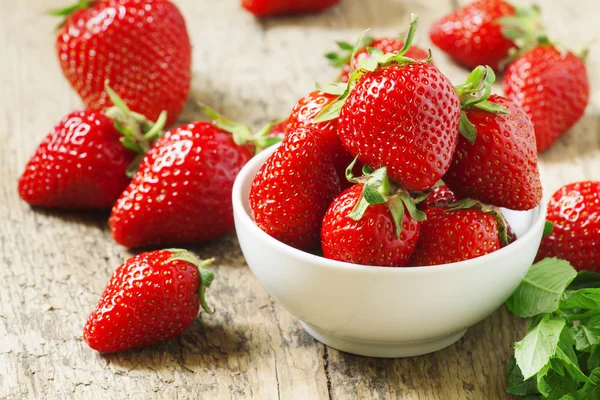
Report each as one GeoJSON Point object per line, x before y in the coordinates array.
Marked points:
{"type": "Point", "coordinates": [382, 311]}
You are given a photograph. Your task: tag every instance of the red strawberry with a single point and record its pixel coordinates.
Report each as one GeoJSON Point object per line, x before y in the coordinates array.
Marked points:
{"type": "Point", "coordinates": [400, 114]}
{"type": "Point", "coordinates": [495, 160]}
{"type": "Point", "coordinates": [82, 164]}
{"type": "Point", "coordinates": [304, 113]}
{"type": "Point", "coordinates": [440, 196]}
{"type": "Point", "coordinates": [151, 297]}
{"type": "Point", "coordinates": [293, 189]}
{"type": "Point", "coordinates": [575, 212]}
{"type": "Point", "coordinates": [453, 235]}
{"type": "Point", "coordinates": [262, 8]}
{"type": "Point", "coordinates": [385, 44]}
{"type": "Point", "coordinates": [473, 35]}
{"type": "Point", "coordinates": [552, 87]}
{"type": "Point", "coordinates": [141, 46]}
{"type": "Point", "coordinates": [369, 224]}
{"type": "Point", "coordinates": [182, 191]}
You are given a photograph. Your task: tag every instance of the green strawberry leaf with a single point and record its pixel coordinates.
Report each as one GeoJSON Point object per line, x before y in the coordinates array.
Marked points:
{"type": "Point", "coordinates": [490, 107]}
{"type": "Point", "coordinates": [396, 207]}
{"type": "Point", "coordinates": [372, 196]}
{"type": "Point", "coordinates": [542, 288]}
{"type": "Point", "coordinates": [345, 46]}
{"type": "Point", "coordinates": [466, 128]}
{"type": "Point", "coordinates": [332, 88]}
{"type": "Point", "coordinates": [548, 228]}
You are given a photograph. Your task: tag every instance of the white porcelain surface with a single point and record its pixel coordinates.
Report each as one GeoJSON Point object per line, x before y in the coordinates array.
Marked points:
{"type": "Point", "coordinates": [379, 311]}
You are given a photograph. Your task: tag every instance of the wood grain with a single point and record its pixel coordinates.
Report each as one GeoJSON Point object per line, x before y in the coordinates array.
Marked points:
{"type": "Point", "coordinates": [55, 265]}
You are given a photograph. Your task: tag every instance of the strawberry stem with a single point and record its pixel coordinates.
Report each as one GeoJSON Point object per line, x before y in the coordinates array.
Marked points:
{"type": "Point", "coordinates": [205, 275]}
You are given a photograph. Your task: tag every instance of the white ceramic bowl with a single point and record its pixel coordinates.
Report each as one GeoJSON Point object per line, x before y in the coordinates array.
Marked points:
{"type": "Point", "coordinates": [381, 311]}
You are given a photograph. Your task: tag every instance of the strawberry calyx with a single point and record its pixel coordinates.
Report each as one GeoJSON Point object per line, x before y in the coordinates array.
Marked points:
{"type": "Point", "coordinates": [66, 11]}
{"type": "Point", "coordinates": [378, 60]}
{"type": "Point", "coordinates": [206, 276]}
{"type": "Point", "coordinates": [343, 56]}
{"type": "Point", "coordinates": [139, 133]}
{"type": "Point", "coordinates": [475, 92]}
{"type": "Point", "coordinates": [524, 27]}
{"type": "Point", "coordinates": [379, 189]}
{"type": "Point", "coordinates": [242, 134]}
{"type": "Point", "coordinates": [472, 204]}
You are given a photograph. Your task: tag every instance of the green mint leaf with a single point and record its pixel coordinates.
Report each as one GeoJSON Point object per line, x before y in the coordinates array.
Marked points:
{"type": "Point", "coordinates": [538, 346]}
{"type": "Point", "coordinates": [585, 279]}
{"type": "Point", "coordinates": [516, 384]}
{"type": "Point", "coordinates": [585, 337]}
{"type": "Point", "coordinates": [466, 128]}
{"type": "Point", "coordinates": [593, 360]}
{"type": "Point", "coordinates": [590, 391]}
{"type": "Point", "coordinates": [588, 299]}
{"type": "Point", "coordinates": [542, 288]}
{"type": "Point", "coordinates": [566, 355]}
{"type": "Point", "coordinates": [554, 385]}
{"type": "Point", "coordinates": [548, 228]}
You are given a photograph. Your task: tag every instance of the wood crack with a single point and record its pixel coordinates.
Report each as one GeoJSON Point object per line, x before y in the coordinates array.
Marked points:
{"type": "Point", "coordinates": [326, 368]}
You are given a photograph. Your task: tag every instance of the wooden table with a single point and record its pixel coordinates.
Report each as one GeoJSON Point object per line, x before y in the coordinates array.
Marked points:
{"type": "Point", "coordinates": [55, 265]}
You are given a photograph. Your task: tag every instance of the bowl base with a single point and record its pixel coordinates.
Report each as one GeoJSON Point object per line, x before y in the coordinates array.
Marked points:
{"type": "Point", "coordinates": [383, 349]}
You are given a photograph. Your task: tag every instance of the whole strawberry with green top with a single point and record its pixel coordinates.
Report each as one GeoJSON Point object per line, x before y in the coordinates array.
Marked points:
{"type": "Point", "coordinates": [87, 160]}
{"type": "Point", "coordinates": [495, 159]}
{"type": "Point", "coordinates": [141, 46]}
{"type": "Point", "coordinates": [574, 211]}
{"type": "Point", "coordinates": [182, 192]}
{"type": "Point", "coordinates": [466, 230]}
{"type": "Point", "coordinates": [374, 222]}
{"type": "Point", "coordinates": [399, 113]}
{"type": "Point", "coordinates": [387, 44]}
{"type": "Point", "coordinates": [151, 297]}
{"type": "Point", "coordinates": [553, 88]}
{"type": "Point", "coordinates": [292, 190]}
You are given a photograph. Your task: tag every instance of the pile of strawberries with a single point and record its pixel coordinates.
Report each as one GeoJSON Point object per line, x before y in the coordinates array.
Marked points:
{"type": "Point", "coordinates": [358, 175]}
{"type": "Point", "coordinates": [432, 162]}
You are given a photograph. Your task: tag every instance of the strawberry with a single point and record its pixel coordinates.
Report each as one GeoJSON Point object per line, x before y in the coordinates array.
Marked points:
{"type": "Point", "coordinates": [574, 210]}
{"type": "Point", "coordinates": [467, 230]}
{"type": "Point", "coordinates": [496, 159]}
{"type": "Point", "coordinates": [182, 192]}
{"type": "Point", "coordinates": [473, 35]}
{"type": "Point", "coordinates": [263, 8]}
{"type": "Point", "coordinates": [374, 222]}
{"type": "Point", "coordinates": [438, 197]}
{"type": "Point", "coordinates": [385, 44]}
{"type": "Point", "coordinates": [84, 160]}
{"type": "Point", "coordinates": [141, 46]}
{"type": "Point", "coordinates": [304, 113]}
{"type": "Point", "coordinates": [552, 87]}
{"type": "Point", "coordinates": [293, 189]}
{"type": "Point", "coordinates": [151, 297]}
{"type": "Point", "coordinates": [399, 113]}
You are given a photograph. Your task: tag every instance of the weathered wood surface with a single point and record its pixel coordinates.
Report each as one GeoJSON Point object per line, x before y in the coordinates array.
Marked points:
{"type": "Point", "coordinates": [53, 266]}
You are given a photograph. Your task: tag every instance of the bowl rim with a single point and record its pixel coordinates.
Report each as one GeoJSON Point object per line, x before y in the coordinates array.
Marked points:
{"type": "Point", "coordinates": [244, 218]}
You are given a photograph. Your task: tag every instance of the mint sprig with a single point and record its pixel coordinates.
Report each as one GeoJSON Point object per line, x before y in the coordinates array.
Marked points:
{"type": "Point", "coordinates": [559, 358]}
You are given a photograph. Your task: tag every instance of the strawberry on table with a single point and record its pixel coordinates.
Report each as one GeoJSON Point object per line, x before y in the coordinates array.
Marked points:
{"type": "Point", "coordinates": [293, 189]}
{"type": "Point", "coordinates": [151, 297]}
{"type": "Point", "coordinates": [182, 192]}
{"type": "Point", "coordinates": [473, 35]}
{"type": "Point", "coordinates": [374, 222]}
{"type": "Point", "coordinates": [495, 159]}
{"type": "Point", "coordinates": [387, 44]}
{"type": "Point", "coordinates": [141, 46]}
{"type": "Point", "coordinates": [399, 113]}
{"type": "Point", "coordinates": [263, 8]}
{"type": "Point", "coordinates": [84, 162]}
{"type": "Point", "coordinates": [466, 230]}
{"type": "Point", "coordinates": [574, 210]}
{"type": "Point", "coordinates": [551, 86]}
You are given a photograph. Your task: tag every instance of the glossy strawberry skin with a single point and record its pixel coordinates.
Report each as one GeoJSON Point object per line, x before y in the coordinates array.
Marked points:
{"type": "Point", "coordinates": [552, 88]}
{"type": "Point", "coordinates": [293, 189]}
{"type": "Point", "coordinates": [80, 165]}
{"type": "Point", "coordinates": [182, 192]}
{"type": "Point", "coordinates": [439, 196]}
{"type": "Point", "coordinates": [575, 212]}
{"type": "Point", "coordinates": [371, 240]}
{"type": "Point", "coordinates": [455, 235]}
{"type": "Point", "coordinates": [146, 301]}
{"type": "Point", "coordinates": [472, 36]}
{"type": "Point", "coordinates": [501, 167]}
{"type": "Point", "coordinates": [303, 114]}
{"type": "Point", "coordinates": [403, 117]}
{"type": "Point", "coordinates": [263, 8]}
{"type": "Point", "coordinates": [386, 45]}
{"type": "Point", "coordinates": [141, 47]}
